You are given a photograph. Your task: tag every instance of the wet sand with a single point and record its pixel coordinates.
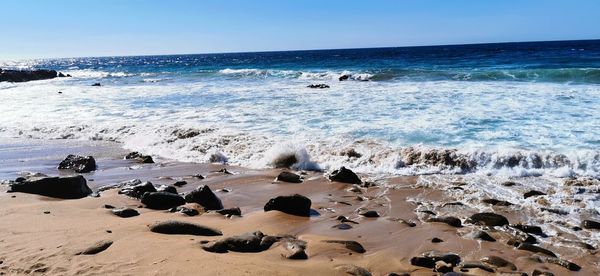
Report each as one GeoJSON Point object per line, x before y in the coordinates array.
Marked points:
{"type": "Point", "coordinates": [41, 235]}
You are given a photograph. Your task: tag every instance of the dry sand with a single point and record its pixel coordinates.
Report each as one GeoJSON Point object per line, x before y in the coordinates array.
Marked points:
{"type": "Point", "coordinates": [33, 241]}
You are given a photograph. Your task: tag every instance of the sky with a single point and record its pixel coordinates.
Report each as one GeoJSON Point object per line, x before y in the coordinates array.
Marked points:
{"type": "Point", "coordinates": [80, 28]}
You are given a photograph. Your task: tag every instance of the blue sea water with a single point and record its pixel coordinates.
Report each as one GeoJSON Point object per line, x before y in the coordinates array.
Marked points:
{"type": "Point", "coordinates": [516, 108]}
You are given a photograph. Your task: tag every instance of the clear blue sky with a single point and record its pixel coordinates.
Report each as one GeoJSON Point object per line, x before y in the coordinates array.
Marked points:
{"type": "Point", "coordinates": [69, 28]}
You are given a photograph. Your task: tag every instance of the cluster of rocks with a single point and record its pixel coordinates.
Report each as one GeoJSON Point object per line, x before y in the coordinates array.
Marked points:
{"type": "Point", "coordinates": [28, 75]}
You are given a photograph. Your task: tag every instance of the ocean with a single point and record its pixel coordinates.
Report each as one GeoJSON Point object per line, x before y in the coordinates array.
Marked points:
{"type": "Point", "coordinates": [509, 109]}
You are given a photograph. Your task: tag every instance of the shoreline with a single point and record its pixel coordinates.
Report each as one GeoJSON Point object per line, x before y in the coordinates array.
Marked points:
{"type": "Point", "coordinates": [46, 243]}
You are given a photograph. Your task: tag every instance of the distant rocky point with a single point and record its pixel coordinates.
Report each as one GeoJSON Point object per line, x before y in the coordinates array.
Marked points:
{"type": "Point", "coordinates": [28, 75]}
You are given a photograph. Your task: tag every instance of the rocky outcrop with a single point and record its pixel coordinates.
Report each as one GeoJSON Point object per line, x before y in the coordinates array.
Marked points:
{"type": "Point", "coordinates": [205, 197]}
{"type": "Point", "coordinates": [296, 204]}
{"type": "Point", "coordinates": [71, 187]}
{"type": "Point", "coordinates": [172, 227]}
{"type": "Point", "coordinates": [26, 75]}
{"type": "Point", "coordinates": [80, 164]}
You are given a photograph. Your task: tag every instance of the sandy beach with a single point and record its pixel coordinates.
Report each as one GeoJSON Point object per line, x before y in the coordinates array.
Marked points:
{"type": "Point", "coordinates": [42, 235]}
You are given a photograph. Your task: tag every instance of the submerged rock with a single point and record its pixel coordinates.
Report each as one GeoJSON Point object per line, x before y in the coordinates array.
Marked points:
{"type": "Point", "coordinates": [498, 262]}
{"type": "Point", "coordinates": [162, 200]}
{"type": "Point", "coordinates": [352, 245]}
{"type": "Point", "coordinates": [535, 249]}
{"type": "Point", "coordinates": [531, 229]}
{"type": "Point", "coordinates": [70, 187]}
{"type": "Point", "coordinates": [96, 248]}
{"type": "Point", "coordinates": [590, 224]}
{"type": "Point", "coordinates": [320, 85]}
{"type": "Point", "coordinates": [205, 197]}
{"type": "Point", "coordinates": [80, 164]}
{"type": "Point", "coordinates": [344, 175]}
{"type": "Point", "coordinates": [140, 158]}
{"type": "Point", "coordinates": [172, 227]}
{"type": "Point", "coordinates": [26, 75]}
{"type": "Point", "coordinates": [289, 177]}
{"type": "Point", "coordinates": [369, 214]}
{"type": "Point", "coordinates": [496, 202]}
{"type": "Point", "coordinates": [296, 204]}
{"type": "Point", "coordinates": [533, 193]}
{"type": "Point", "coordinates": [489, 219]}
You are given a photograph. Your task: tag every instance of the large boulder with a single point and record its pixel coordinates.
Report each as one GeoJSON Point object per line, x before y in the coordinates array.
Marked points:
{"type": "Point", "coordinates": [205, 197]}
{"type": "Point", "coordinates": [162, 200]}
{"type": "Point", "coordinates": [26, 75]}
{"type": "Point", "coordinates": [70, 187]}
{"type": "Point", "coordinates": [172, 227]}
{"type": "Point", "coordinates": [344, 175]}
{"type": "Point", "coordinates": [296, 204]}
{"type": "Point", "coordinates": [80, 164]}
{"type": "Point", "coordinates": [289, 177]}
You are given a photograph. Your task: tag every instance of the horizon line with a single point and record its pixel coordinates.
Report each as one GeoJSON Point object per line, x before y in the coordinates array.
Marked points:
{"type": "Point", "coordinates": [308, 50]}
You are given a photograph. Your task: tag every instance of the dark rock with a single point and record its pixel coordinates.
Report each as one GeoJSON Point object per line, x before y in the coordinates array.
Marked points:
{"type": "Point", "coordinates": [183, 228]}
{"type": "Point", "coordinates": [180, 183]}
{"type": "Point", "coordinates": [508, 184]}
{"type": "Point", "coordinates": [96, 248]}
{"type": "Point", "coordinates": [70, 187]}
{"type": "Point", "coordinates": [26, 75]}
{"type": "Point", "coordinates": [582, 182]}
{"type": "Point", "coordinates": [498, 262]}
{"type": "Point", "coordinates": [555, 211]}
{"type": "Point", "coordinates": [80, 164]}
{"type": "Point", "coordinates": [482, 235]}
{"type": "Point", "coordinates": [205, 197]}
{"type": "Point", "coordinates": [320, 85]}
{"type": "Point", "coordinates": [140, 158]}
{"type": "Point", "coordinates": [230, 211]}
{"type": "Point", "coordinates": [342, 226]}
{"type": "Point", "coordinates": [61, 75]}
{"type": "Point", "coordinates": [190, 212]}
{"type": "Point", "coordinates": [296, 249]}
{"type": "Point", "coordinates": [167, 189]}
{"type": "Point", "coordinates": [352, 245]}
{"type": "Point", "coordinates": [344, 77]}
{"type": "Point", "coordinates": [496, 202]}
{"type": "Point", "coordinates": [68, 75]}
{"type": "Point", "coordinates": [489, 219]}
{"type": "Point", "coordinates": [590, 224]}
{"type": "Point", "coordinates": [429, 259]}
{"type": "Point", "coordinates": [369, 214]}
{"type": "Point", "coordinates": [162, 200]}
{"type": "Point", "coordinates": [535, 249]}
{"type": "Point", "coordinates": [452, 221]}
{"type": "Point", "coordinates": [533, 193]}
{"type": "Point", "coordinates": [531, 229]}
{"type": "Point", "coordinates": [97, 84]}
{"type": "Point", "coordinates": [296, 204]}
{"type": "Point", "coordinates": [108, 206]}
{"type": "Point", "coordinates": [289, 177]}
{"type": "Point", "coordinates": [125, 212]}
{"type": "Point", "coordinates": [344, 175]}
{"type": "Point", "coordinates": [248, 242]}
{"type": "Point", "coordinates": [20, 179]}
{"type": "Point", "coordinates": [475, 264]}
{"type": "Point", "coordinates": [46, 212]}
{"type": "Point", "coordinates": [138, 190]}
{"type": "Point", "coordinates": [436, 240]}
